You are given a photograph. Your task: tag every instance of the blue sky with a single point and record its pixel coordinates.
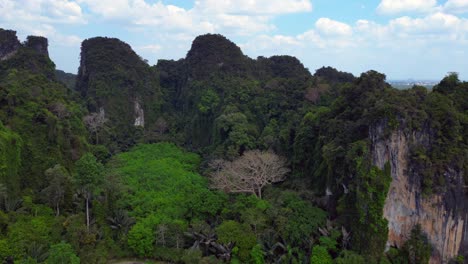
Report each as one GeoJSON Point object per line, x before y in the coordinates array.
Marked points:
{"type": "Point", "coordinates": [420, 39]}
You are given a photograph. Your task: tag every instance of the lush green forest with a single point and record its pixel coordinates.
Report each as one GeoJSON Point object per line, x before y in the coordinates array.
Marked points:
{"type": "Point", "coordinates": [238, 160]}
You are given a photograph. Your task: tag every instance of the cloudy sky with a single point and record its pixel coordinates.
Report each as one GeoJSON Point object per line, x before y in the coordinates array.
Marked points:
{"type": "Point", "coordinates": [421, 39]}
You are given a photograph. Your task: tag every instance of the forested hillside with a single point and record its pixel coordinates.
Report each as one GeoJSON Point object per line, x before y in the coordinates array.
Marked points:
{"type": "Point", "coordinates": [221, 158]}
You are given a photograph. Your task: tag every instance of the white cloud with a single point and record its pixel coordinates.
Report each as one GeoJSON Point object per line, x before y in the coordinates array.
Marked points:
{"type": "Point", "coordinates": [141, 13]}
{"type": "Point", "coordinates": [398, 6]}
{"type": "Point", "coordinates": [41, 11]}
{"type": "Point", "coordinates": [327, 26]}
{"type": "Point", "coordinates": [402, 47]}
{"type": "Point", "coordinates": [254, 7]}
{"type": "Point", "coordinates": [456, 6]}
{"type": "Point", "coordinates": [437, 23]}
{"type": "Point", "coordinates": [327, 34]}
{"type": "Point", "coordinates": [40, 17]}
{"type": "Point", "coordinates": [243, 17]}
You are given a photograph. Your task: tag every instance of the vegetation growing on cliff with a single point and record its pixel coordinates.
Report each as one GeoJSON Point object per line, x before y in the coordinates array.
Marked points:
{"type": "Point", "coordinates": [80, 182]}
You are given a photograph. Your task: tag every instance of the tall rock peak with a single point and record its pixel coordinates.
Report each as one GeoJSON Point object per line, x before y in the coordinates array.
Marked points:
{"type": "Point", "coordinates": [113, 77]}
{"type": "Point", "coordinates": [39, 44]}
{"type": "Point", "coordinates": [213, 52]}
{"type": "Point", "coordinates": [213, 45]}
{"type": "Point", "coordinates": [9, 43]}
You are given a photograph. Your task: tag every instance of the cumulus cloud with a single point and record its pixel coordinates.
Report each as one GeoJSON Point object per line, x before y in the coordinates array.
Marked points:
{"type": "Point", "coordinates": [437, 23]}
{"type": "Point", "coordinates": [40, 18]}
{"type": "Point", "coordinates": [141, 13]}
{"type": "Point", "coordinates": [399, 6]}
{"type": "Point", "coordinates": [327, 34]}
{"type": "Point", "coordinates": [456, 6]}
{"type": "Point", "coordinates": [257, 7]}
{"type": "Point", "coordinates": [41, 11]}
{"type": "Point", "coordinates": [332, 27]}
{"type": "Point", "coordinates": [243, 17]}
{"type": "Point", "coordinates": [399, 33]}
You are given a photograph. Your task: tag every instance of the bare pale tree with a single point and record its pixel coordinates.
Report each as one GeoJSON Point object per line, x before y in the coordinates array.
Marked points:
{"type": "Point", "coordinates": [60, 110]}
{"type": "Point", "coordinates": [250, 173]}
{"type": "Point", "coordinates": [95, 121]}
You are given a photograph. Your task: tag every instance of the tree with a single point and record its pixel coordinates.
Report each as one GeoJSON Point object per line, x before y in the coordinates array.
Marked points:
{"type": "Point", "coordinates": [240, 234]}
{"type": "Point", "coordinates": [88, 174]}
{"type": "Point", "coordinates": [95, 122]}
{"type": "Point", "coordinates": [121, 222]}
{"type": "Point", "coordinates": [417, 248]}
{"type": "Point", "coordinates": [320, 255]}
{"type": "Point", "coordinates": [62, 253]}
{"type": "Point", "coordinates": [141, 239]}
{"type": "Point", "coordinates": [349, 257]}
{"type": "Point", "coordinates": [58, 180]}
{"type": "Point", "coordinates": [250, 173]}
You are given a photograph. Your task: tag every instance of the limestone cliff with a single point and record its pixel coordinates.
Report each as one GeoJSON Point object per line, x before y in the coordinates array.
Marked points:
{"type": "Point", "coordinates": [39, 44]}
{"type": "Point", "coordinates": [112, 76]}
{"type": "Point", "coordinates": [442, 216]}
{"type": "Point", "coordinates": [9, 44]}
{"type": "Point", "coordinates": [139, 115]}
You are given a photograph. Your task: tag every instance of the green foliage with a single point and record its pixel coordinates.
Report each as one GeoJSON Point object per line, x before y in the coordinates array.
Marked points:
{"type": "Point", "coordinates": [88, 171]}
{"type": "Point", "coordinates": [29, 230]}
{"type": "Point", "coordinates": [208, 102]}
{"type": "Point", "coordinates": [113, 77]}
{"type": "Point", "coordinates": [369, 204]}
{"type": "Point", "coordinates": [235, 132]}
{"type": "Point", "coordinates": [349, 257]}
{"type": "Point", "coordinates": [164, 193]}
{"type": "Point", "coordinates": [396, 256]}
{"type": "Point", "coordinates": [460, 259]}
{"type": "Point", "coordinates": [161, 179]}
{"type": "Point", "coordinates": [417, 249]}
{"type": "Point", "coordinates": [58, 188]}
{"type": "Point", "coordinates": [141, 239]}
{"type": "Point", "coordinates": [218, 103]}
{"type": "Point", "coordinates": [68, 79]}
{"type": "Point", "coordinates": [257, 255]}
{"type": "Point", "coordinates": [296, 220]}
{"type": "Point", "coordinates": [10, 159]}
{"type": "Point", "coordinates": [62, 253]}
{"type": "Point", "coordinates": [320, 255]}
{"type": "Point", "coordinates": [240, 234]}
{"type": "Point", "coordinates": [333, 75]}
{"type": "Point", "coordinates": [41, 112]}
{"type": "Point", "coordinates": [5, 249]}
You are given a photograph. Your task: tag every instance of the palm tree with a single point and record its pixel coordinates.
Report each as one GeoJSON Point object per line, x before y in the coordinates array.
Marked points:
{"type": "Point", "coordinates": [120, 222]}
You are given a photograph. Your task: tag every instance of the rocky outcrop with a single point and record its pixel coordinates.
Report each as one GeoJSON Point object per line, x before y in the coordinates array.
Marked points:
{"type": "Point", "coordinates": [442, 216]}
{"type": "Point", "coordinates": [214, 53]}
{"type": "Point", "coordinates": [9, 44]}
{"type": "Point", "coordinates": [39, 44]}
{"type": "Point", "coordinates": [112, 76]}
{"type": "Point", "coordinates": [139, 115]}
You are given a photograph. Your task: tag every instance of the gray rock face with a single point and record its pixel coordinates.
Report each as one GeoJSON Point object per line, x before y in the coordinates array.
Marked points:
{"type": "Point", "coordinates": [139, 115]}
{"type": "Point", "coordinates": [442, 216]}
{"type": "Point", "coordinates": [9, 44]}
{"type": "Point", "coordinates": [39, 44]}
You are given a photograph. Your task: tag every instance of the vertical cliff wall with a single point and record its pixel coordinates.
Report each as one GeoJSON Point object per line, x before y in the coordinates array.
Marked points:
{"type": "Point", "coordinates": [113, 77]}
{"type": "Point", "coordinates": [9, 44]}
{"type": "Point", "coordinates": [442, 216]}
